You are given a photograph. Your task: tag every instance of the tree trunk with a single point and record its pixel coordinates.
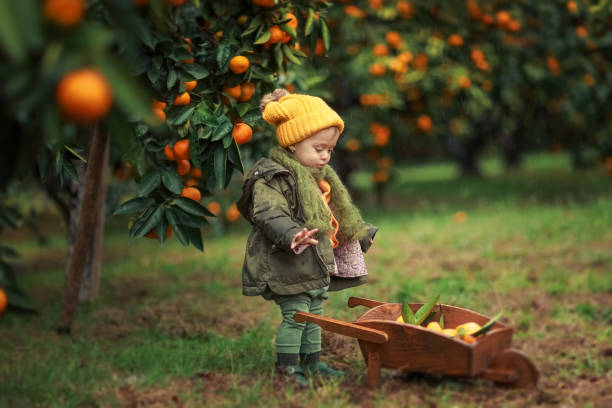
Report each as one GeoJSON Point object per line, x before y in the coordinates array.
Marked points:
{"type": "Point", "coordinates": [91, 275]}
{"type": "Point", "coordinates": [91, 280]}
{"type": "Point", "coordinates": [85, 230]}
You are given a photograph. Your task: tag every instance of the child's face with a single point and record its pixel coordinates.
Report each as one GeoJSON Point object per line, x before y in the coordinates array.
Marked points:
{"type": "Point", "coordinates": [317, 149]}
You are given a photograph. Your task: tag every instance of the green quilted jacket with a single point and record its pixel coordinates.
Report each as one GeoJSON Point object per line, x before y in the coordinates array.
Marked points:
{"type": "Point", "coordinates": [270, 203]}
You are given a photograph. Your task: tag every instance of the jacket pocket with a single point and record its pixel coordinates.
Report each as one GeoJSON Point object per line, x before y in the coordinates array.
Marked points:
{"type": "Point", "coordinates": [289, 268]}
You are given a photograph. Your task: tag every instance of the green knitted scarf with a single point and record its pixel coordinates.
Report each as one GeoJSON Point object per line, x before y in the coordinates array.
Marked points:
{"type": "Point", "coordinates": [352, 226]}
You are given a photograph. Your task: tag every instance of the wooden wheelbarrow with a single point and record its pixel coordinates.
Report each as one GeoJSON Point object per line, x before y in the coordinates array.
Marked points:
{"type": "Point", "coordinates": [386, 343]}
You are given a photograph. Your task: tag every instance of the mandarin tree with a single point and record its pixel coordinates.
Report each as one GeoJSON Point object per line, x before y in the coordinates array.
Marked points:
{"type": "Point", "coordinates": [455, 77]}
{"type": "Point", "coordinates": [150, 76]}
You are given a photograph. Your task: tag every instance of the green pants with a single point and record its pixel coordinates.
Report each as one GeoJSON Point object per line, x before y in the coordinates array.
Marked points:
{"type": "Point", "coordinates": [292, 337]}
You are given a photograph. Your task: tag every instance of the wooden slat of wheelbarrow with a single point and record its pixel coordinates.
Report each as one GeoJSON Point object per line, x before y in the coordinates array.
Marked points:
{"type": "Point", "coordinates": [344, 328]}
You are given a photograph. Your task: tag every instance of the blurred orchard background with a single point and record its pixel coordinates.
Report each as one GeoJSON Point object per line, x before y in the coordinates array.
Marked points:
{"type": "Point", "coordinates": [138, 118]}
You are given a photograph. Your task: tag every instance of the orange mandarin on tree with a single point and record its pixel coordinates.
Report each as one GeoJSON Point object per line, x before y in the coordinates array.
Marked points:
{"type": "Point", "coordinates": [84, 95]}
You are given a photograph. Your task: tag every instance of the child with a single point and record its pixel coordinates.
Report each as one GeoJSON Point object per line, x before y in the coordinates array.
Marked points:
{"type": "Point", "coordinates": [307, 236]}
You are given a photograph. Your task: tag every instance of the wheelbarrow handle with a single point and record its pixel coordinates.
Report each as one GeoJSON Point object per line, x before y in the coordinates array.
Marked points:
{"type": "Point", "coordinates": [357, 301]}
{"type": "Point", "coordinates": [344, 328]}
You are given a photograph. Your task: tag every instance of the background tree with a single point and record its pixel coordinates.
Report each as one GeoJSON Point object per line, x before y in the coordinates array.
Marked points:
{"type": "Point", "coordinates": [172, 85]}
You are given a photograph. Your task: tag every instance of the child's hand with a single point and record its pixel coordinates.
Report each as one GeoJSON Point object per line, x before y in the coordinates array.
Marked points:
{"type": "Point", "coordinates": [303, 239]}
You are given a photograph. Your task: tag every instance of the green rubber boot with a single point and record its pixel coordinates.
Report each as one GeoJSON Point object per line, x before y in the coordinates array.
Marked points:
{"type": "Point", "coordinates": [312, 365]}
{"type": "Point", "coordinates": [287, 365]}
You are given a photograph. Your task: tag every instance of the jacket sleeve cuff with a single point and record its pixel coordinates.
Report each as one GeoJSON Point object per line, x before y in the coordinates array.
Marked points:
{"type": "Point", "coordinates": [366, 242]}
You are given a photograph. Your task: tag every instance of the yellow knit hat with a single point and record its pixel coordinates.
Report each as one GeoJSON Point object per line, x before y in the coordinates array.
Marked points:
{"type": "Point", "coordinates": [297, 117]}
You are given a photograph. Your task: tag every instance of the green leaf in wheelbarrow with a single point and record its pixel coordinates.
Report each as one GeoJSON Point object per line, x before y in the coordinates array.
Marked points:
{"type": "Point", "coordinates": [425, 310]}
{"type": "Point", "coordinates": [407, 313]}
{"type": "Point", "coordinates": [487, 326]}
{"type": "Point", "coordinates": [421, 314]}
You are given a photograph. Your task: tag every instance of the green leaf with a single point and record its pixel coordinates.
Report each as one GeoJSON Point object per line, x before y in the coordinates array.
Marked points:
{"type": "Point", "coordinates": [263, 38]}
{"type": "Point", "coordinates": [178, 116]}
{"type": "Point", "coordinates": [190, 206]}
{"type": "Point", "coordinates": [278, 56]}
{"type": "Point", "coordinates": [487, 326]}
{"type": "Point", "coordinates": [10, 35]}
{"type": "Point", "coordinates": [308, 25]}
{"type": "Point", "coordinates": [233, 154]}
{"type": "Point", "coordinates": [407, 313]}
{"type": "Point", "coordinates": [222, 55]}
{"type": "Point", "coordinates": [289, 30]}
{"type": "Point", "coordinates": [197, 71]}
{"type": "Point", "coordinates": [325, 34]}
{"type": "Point", "coordinates": [6, 252]}
{"type": "Point", "coordinates": [253, 25]}
{"type": "Point", "coordinates": [187, 219]}
{"type": "Point", "coordinates": [220, 162]}
{"type": "Point", "coordinates": [289, 54]}
{"type": "Point", "coordinates": [203, 115]}
{"type": "Point", "coordinates": [242, 108]}
{"type": "Point", "coordinates": [179, 231]}
{"type": "Point", "coordinates": [134, 205]}
{"type": "Point", "coordinates": [147, 222]}
{"type": "Point", "coordinates": [195, 237]}
{"type": "Point", "coordinates": [130, 93]}
{"type": "Point", "coordinates": [252, 116]}
{"type": "Point", "coordinates": [73, 151]}
{"type": "Point", "coordinates": [425, 310]}
{"type": "Point", "coordinates": [172, 181]}
{"type": "Point", "coordinates": [149, 182]}
{"type": "Point", "coordinates": [171, 79]}
{"type": "Point", "coordinates": [221, 130]}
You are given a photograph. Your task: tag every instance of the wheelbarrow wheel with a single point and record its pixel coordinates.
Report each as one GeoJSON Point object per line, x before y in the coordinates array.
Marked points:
{"type": "Point", "coordinates": [524, 372]}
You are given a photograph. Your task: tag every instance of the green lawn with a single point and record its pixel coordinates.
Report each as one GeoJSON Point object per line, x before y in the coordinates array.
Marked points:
{"type": "Point", "coordinates": [171, 327]}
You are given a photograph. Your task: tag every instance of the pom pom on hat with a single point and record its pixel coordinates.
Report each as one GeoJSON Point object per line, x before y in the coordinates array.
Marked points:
{"type": "Point", "coordinates": [297, 117]}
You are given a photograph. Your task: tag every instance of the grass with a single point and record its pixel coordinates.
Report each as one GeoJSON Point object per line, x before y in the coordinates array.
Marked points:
{"type": "Point", "coordinates": [171, 327]}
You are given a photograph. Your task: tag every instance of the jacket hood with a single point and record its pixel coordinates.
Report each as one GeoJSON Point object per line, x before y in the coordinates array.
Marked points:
{"type": "Point", "coordinates": [264, 168]}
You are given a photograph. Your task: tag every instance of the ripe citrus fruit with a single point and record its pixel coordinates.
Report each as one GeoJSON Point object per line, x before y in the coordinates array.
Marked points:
{"type": "Point", "coordinates": [3, 301]}
{"type": "Point", "coordinates": [183, 167]}
{"type": "Point", "coordinates": [233, 91]}
{"type": "Point", "coordinates": [265, 3]}
{"type": "Point", "coordinates": [242, 133]}
{"type": "Point", "coordinates": [450, 332]}
{"type": "Point", "coordinates": [424, 123]}
{"type": "Point", "coordinates": [189, 86]}
{"type": "Point", "coordinates": [232, 214]}
{"type": "Point", "coordinates": [377, 69]}
{"type": "Point", "coordinates": [159, 104]}
{"type": "Point", "coordinates": [455, 40]}
{"type": "Point", "coordinates": [183, 99]}
{"type": "Point", "coordinates": [352, 145]}
{"type": "Point", "coordinates": [400, 319]}
{"type": "Point", "coordinates": [214, 207]}
{"type": "Point", "coordinates": [293, 22]}
{"type": "Point", "coordinates": [246, 91]}
{"type": "Point", "coordinates": [169, 153]}
{"type": "Point", "coordinates": [276, 34]}
{"type": "Point", "coordinates": [239, 64]}
{"type": "Point", "coordinates": [191, 192]}
{"type": "Point", "coordinates": [195, 173]}
{"type": "Point", "coordinates": [434, 326]}
{"type": "Point", "coordinates": [191, 183]}
{"type": "Point", "coordinates": [66, 13]}
{"type": "Point", "coordinates": [380, 50]}
{"type": "Point", "coordinates": [394, 39]}
{"type": "Point", "coordinates": [181, 149]}
{"type": "Point", "coordinates": [464, 82]}
{"type": "Point", "coordinates": [469, 328]}
{"type": "Point", "coordinates": [160, 114]}
{"type": "Point", "coordinates": [84, 95]}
